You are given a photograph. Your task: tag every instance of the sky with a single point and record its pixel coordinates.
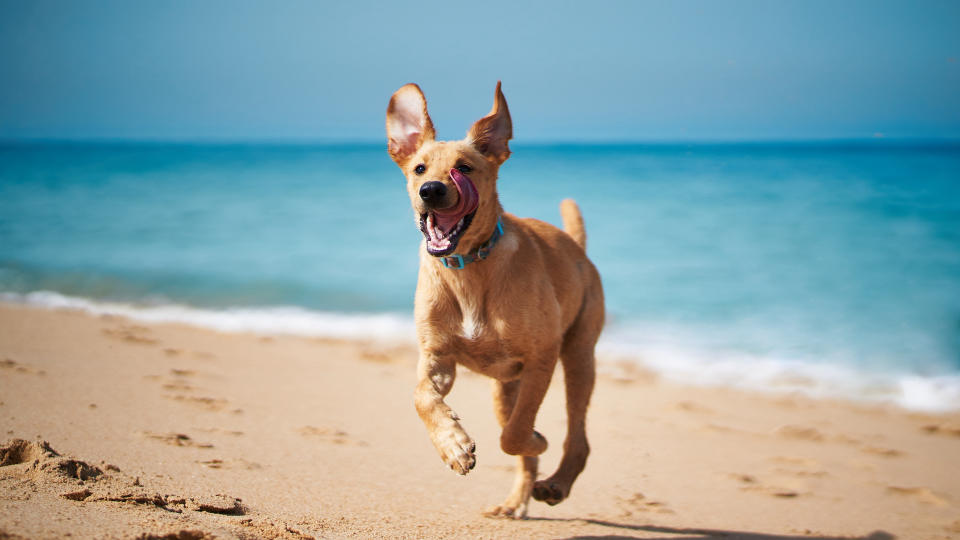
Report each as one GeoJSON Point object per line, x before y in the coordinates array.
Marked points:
{"type": "Point", "coordinates": [571, 71]}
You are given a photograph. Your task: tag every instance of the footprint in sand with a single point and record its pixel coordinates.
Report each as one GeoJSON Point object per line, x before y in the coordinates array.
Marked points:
{"type": "Point", "coordinates": [950, 429]}
{"type": "Point", "coordinates": [867, 448]}
{"type": "Point", "coordinates": [798, 466]}
{"type": "Point", "coordinates": [883, 452]}
{"type": "Point", "coordinates": [131, 333]}
{"type": "Point", "coordinates": [743, 478]}
{"type": "Point", "coordinates": [721, 428]}
{"type": "Point", "coordinates": [638, 502]}
{"type": "Point", "coordinates": [10, 364]}
{"type": "Point", "coordinates": [178, 386]}
{"type": "Point", "coordinates": [176, 439]}
{"type": "Point", "coordinates": [208, 403]}
{"type": "Point", "coordinates": [919, 494]}
{"type": "Point", "coordinates": [784, 488]}
{"type": "Point", "coordinates": [802, 433]}
{"type": "Point", "coordinates": [693, 407]}
{"type": "Point", "coordinates": [778, 491]}
{"type": "Point", "coordinates": [335, 436]}
{"type": "Point", "coordinates": [178, 380]}
{"type": "Point", "coordinates": [238, 463]}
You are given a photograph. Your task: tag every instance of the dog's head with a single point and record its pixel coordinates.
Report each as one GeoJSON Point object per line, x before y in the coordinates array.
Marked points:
{"type": "Point", "coordinates": [452, 184]}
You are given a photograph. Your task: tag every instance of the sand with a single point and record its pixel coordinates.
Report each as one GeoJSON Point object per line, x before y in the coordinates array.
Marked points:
{"type": "Point", "coordinates": [116, 429]}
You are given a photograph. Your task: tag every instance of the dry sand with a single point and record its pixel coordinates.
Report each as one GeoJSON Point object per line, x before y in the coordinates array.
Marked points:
{"type": "Point", "coordinates": [111, 428]}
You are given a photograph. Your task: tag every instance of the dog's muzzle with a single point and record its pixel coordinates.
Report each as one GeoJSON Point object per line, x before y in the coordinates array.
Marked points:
{"type": "Point", "coordinates": [443, 227]}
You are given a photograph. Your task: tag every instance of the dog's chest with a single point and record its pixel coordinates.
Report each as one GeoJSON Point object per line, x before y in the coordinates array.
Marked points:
{"type": "Point", "coordinates": [484, 335]}
{"type": "Point", "coordinates": [479, 319]}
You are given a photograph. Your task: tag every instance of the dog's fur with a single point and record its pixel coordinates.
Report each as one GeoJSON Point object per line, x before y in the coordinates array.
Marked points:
{"type": "Point", "coordinates": [535, 299]}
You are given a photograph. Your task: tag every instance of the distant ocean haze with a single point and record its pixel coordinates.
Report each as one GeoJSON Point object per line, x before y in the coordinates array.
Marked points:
{"type": "Point", "coordinates": [826, 268]}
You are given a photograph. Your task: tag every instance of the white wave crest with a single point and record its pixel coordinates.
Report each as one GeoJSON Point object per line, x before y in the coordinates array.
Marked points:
{"type": "Point", "coordinates": [266, 320]}
{"type": "Point", "coordinates": [685, 359]}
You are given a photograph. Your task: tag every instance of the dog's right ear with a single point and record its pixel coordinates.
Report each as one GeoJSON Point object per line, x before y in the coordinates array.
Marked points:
{"type": "Point", "coordinates": [408, 124]}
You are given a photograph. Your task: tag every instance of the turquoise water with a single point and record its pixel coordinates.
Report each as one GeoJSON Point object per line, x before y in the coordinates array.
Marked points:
{"type": "Point", "coordinates": [723, 262]}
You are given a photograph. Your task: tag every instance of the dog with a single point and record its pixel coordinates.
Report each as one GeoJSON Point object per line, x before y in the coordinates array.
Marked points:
{"type": "Point", "coordinates": [500, 295]}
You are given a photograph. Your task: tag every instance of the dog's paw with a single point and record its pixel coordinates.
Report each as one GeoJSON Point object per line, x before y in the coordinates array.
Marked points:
{"type": "Point", "coordinates": [550, 492]}
{"type": "Point", "coordinates": [508, 509]}
{"type": "Point", "coordinates": [456, 448]}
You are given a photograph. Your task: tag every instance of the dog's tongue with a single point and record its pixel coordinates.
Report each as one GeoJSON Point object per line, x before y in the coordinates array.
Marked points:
{"type": "Point", "coordinates": [448, 218]}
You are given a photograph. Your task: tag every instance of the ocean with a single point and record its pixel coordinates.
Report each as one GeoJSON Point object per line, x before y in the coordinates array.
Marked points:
{"type": "Point", "coordinates": [830, 269]}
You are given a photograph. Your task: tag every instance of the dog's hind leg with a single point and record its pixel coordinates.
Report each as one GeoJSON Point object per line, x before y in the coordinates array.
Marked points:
{"type": "Point", "coordinates": [579, 374]}
{"type": "Point", "coordinates": [515, 505]}
{"type": "Point", "coordinates": [518, 437]}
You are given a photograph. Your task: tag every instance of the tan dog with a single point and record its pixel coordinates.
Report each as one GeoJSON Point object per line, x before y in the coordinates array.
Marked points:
{"type": "Point", "coordinates": [506, 301]}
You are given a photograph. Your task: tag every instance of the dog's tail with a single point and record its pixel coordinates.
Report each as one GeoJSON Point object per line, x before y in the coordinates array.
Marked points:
{"type": "Point", "coordinates": [573, 222]}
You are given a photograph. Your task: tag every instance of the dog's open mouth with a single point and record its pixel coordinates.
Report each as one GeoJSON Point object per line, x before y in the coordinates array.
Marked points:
{"type": "Point", "coordinates": [439, 243]}
{"type": "Point", "coordinates": [443, 228]}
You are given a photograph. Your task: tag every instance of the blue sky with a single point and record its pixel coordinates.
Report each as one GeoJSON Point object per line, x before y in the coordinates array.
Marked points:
{"type": "Point", "coordinates": [637, 71]}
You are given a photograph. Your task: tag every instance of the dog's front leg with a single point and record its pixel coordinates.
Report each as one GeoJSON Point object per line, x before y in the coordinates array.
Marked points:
{"type": "Point", "coordinates": [456, 448]}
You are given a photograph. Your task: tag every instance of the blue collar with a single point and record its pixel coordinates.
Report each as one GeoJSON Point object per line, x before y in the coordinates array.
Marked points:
{"type": "Point", "coordinates": [457, 262]}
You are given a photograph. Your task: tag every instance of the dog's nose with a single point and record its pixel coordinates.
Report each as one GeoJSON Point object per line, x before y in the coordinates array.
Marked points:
{"type": "Point", "coordinates": [432, 192]}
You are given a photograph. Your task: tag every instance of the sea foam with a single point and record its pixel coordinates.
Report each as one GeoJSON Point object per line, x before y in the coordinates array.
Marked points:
{"type": "Point", "coordinates": [280, 320]}
{"type": "Point", "coordinates": [687, 364]}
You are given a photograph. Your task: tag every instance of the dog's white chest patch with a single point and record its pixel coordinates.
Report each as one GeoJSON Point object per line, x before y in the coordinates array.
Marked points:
{"type": "Point", "coordinates": [470, 325]}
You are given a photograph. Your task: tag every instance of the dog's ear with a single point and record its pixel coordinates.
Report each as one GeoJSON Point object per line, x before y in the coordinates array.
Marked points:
{"type": "Point", "coordinates": [491, 133]}
{"type": "Point", "coordinates": [408, 124]}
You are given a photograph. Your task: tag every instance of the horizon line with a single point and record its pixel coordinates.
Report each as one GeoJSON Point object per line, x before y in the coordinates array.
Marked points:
{"type": "Point", "coordinates": [327, 141]}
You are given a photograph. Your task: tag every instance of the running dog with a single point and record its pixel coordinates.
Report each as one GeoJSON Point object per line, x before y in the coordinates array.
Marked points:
{"type": "Point", "coordinates": [500, 295]}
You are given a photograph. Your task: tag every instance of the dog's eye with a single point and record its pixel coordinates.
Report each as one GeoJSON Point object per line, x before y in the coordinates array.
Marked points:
{"type": "Point", "coordinates": [465, 169]}
{"type": "Point", "coordinates": [420, 169]}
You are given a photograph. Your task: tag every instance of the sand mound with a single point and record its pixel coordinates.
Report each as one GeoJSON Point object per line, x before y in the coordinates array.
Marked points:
{"type": "Point", "coordinates": [20, 451]}
{"type": "Point", "coordinates": [44, 467]}
{"type": "Point", "coordinates": [45, 461]}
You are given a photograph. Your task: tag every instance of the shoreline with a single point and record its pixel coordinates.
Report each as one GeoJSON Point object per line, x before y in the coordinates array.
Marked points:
{"type": "Point", "coordinates": [619, 352]}
{"type": "Point", "coordinates": [318, 438]}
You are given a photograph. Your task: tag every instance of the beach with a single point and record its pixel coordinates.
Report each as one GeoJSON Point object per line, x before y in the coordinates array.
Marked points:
{"type": "Point", "coordinates": [113, 428]}
{"type": "Point", "coordinates": [219, 231]}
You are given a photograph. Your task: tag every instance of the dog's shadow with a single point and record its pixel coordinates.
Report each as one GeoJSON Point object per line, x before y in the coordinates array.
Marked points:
{"type": "Point", "coordinates": [701, 534]}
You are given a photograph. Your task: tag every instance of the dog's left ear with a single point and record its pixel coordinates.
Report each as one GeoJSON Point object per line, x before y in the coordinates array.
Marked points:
{"type": "Point", "coordinates": [491, 133]}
